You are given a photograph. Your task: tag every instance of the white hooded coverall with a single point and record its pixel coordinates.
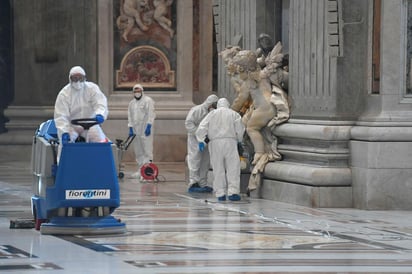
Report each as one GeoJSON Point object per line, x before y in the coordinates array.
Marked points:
{"type": "Point", "coordinates": [140, 113]}
{"type": "Point", "coordinates": [198, 162]}
{"type": "Point", "coordinates": [225, 129]}
{"type": "Point", "coordinates": [86, 102]}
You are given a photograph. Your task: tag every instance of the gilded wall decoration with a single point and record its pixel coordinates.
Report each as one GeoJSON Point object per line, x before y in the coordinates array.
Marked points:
{"type": "Point", "coordinates": [144, 43]}
{"type": "Point", "coordinates": [145, 65]}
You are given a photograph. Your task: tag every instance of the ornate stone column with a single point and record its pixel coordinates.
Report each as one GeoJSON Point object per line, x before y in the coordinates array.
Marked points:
{"type": "Point", "coordinates": [326, 83]}
{"type": "Point", "coordinates": [381, 145]}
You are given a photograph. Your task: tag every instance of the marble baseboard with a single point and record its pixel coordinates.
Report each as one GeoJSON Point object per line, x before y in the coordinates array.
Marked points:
{"type": "Point", "coordinates": [305, 174]}
{"type": "Point", "coordinates": [305, 195]}
{"type": "Point", "coordinates": [382, 189]}
{"type": "Point", "coordinates": [382, 174]}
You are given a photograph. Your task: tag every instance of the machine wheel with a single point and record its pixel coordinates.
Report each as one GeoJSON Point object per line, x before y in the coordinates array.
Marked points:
{"type": "Point", "coordinates": [86, 123]}
{"type": "Point", "coordinates": [37, 222]}
{"type": "Point", "coordinates": [121, 175]}
{"type": "Point", "coordinates": [34, 212]}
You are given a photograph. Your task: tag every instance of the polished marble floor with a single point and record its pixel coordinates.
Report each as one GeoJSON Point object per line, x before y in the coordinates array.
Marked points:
{"type": "Point", "coordinates": [172, 231]}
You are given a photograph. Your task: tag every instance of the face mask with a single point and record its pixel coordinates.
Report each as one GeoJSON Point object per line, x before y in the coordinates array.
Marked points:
{"type": "Point", "coordinates": [213, 106]}
{"type": "Point", "coordinates": [137, 96]}
{"type": "Point", "coordinates": [77, 85]}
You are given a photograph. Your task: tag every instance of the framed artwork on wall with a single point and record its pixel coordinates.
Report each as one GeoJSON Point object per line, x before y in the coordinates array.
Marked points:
{"type": "Point", "coordinates": [144, 44]}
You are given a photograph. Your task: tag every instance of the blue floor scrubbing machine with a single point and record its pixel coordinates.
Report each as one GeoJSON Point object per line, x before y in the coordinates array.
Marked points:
{"type": "Point", "coordinates": [77, 193]}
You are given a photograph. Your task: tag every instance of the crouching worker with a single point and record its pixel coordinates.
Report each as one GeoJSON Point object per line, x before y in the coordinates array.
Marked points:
{"type": "Point", "coordinates": [224, 129]}
{"type": "Point", "coordinates": [198, 162]}
{"type": "Point", "coordinates": [79, 99]}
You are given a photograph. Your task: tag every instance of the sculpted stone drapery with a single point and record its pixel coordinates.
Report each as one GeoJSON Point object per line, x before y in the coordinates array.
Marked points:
{"type": "Point", "coordinates": [261, 92]}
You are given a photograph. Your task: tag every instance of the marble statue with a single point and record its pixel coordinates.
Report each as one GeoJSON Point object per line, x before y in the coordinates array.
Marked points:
{"type": "Point", "coordinates": [261, 90]}
{"type": "Point", "coordinates": [265, 47]}
{"type": "Point", "coordinates": [243, 100]}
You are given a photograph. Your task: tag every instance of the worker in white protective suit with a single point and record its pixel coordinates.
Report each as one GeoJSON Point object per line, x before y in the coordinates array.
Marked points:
{"type": "Point", "coordinates": [198, 162]}
{"type": "Point", "coordinates": [225, 130]}
{"type": "Point", "coordinates": [141, 116]}
{"type": "Point", "coordinates": [80, 99]}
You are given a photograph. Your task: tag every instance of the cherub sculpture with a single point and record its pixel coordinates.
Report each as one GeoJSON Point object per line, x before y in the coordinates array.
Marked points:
{"type": "Point", "coordinates": [269, 105]}
{"type": "Point", "coordinates": [265, 47]}
{"type": "Point", "coordinates": [243, 100]}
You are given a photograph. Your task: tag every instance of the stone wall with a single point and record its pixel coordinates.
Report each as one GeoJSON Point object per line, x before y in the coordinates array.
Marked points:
{"type": "Point", "coordinates": [51, 37]}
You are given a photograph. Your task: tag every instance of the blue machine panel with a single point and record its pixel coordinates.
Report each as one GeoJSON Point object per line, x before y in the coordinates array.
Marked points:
{"type": "Point", "coordinates": [86, 176]}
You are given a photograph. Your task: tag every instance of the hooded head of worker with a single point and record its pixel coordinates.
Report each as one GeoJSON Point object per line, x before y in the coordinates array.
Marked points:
{"type": "Point", "coordinates": [223, 103]}
{"type": "Point", "coordinates": [77, 77]}
{"type": "Point", "coordinates": [138, 91]}
{"type": "Point", "coordinates": [210, 101]}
